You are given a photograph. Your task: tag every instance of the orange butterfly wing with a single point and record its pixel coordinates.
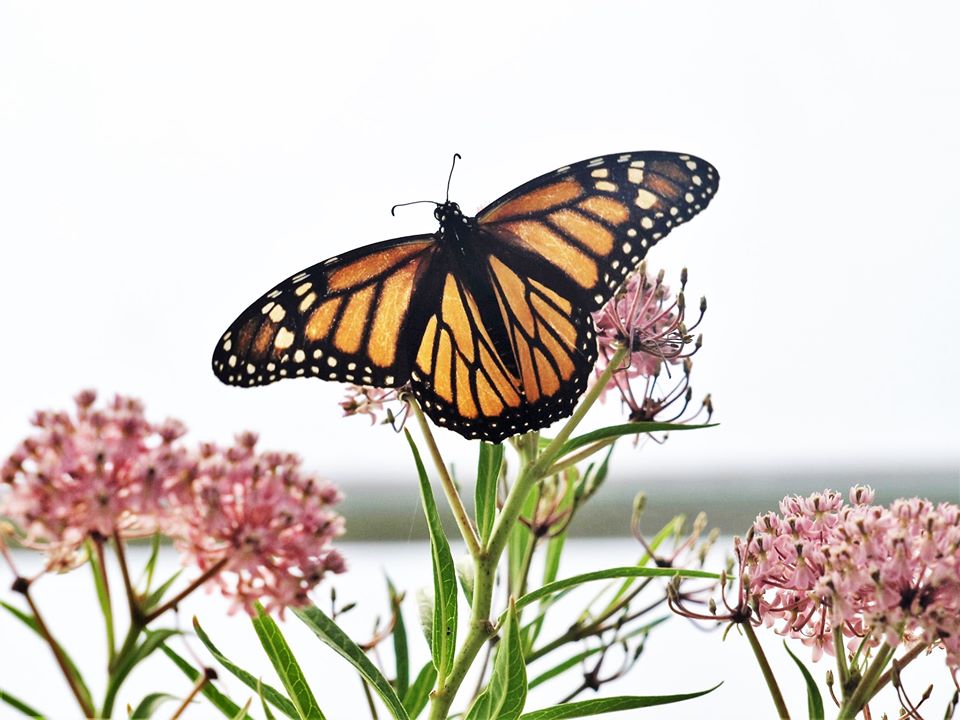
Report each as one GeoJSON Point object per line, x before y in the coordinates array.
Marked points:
{"type": "Point", "coordinates": [593, 222]}
{"type": "Point", "coordinates": [516, 363]}
{"type": "Point", "coordinates": [349, 318]}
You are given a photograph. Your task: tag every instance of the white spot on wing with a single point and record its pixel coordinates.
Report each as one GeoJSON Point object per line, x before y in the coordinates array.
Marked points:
{"type": "Point", "coordinates": [645, 199]}
{"type": "Point", "coordinates": [284, 339]}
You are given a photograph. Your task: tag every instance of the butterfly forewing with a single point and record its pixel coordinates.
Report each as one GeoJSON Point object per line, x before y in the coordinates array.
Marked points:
{"type": "Point", "coordinates": [591, 223]}
{"type": "Point", "coordinates": [347, 319]}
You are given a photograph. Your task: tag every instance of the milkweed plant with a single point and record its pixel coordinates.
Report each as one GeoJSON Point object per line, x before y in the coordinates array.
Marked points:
{"type": "Point", "coordinates": [870, 587]}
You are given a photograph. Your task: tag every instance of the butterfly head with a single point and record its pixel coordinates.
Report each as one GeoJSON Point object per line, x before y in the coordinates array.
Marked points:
{"type": "Point", "coordinates": [454, 226]}
{"type": "Point", "coordinates": [448, 212]}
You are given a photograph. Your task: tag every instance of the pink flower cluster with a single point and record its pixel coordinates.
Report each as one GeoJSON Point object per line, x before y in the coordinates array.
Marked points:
{"type": "Point", "coordinates": [646, 318]}
{"type": "Point", "coordinates": [371, 401]}
{"type": "Point", "coordinates": [109, 472]}
{"type": "Point", "coordinates": [878, 573]}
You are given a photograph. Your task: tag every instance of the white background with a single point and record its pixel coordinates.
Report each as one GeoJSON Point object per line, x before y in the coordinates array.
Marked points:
{"type": "Point", "coordinates": [162, 165]}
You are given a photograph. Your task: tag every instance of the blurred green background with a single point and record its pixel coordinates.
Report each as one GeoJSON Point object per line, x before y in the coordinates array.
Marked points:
{"type": "Point", "coordinates": [389, 510]}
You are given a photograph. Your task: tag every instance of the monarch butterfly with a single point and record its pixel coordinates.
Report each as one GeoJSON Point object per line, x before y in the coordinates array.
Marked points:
{"type": "Point", "coordinates": [488, 318]}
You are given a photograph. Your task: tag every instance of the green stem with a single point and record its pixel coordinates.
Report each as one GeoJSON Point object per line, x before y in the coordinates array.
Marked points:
{"type": "Point", "coordinates": [775, 693]}
{"type": "Point", "coordinates": [488, 558]}
{"type": "Point", "coordinates": [868, 685]}
{"type": "Point", "coordinates": [467, 530]}
{"type": "Point", "coordinates": [58, 655]}
{"type": "Point", "coordinates": [480, 630]}
{"type": "Point", "coordinates": [841, 654]}
{"type": "Point", "coordinates": [136, 615]}
{"type": "Point", "coordinates": [908, 658]}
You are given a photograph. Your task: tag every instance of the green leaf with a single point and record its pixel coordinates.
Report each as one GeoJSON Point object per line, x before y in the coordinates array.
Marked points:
{"type": "Point", "coordinates": [425, 613]}
{"type": "Point", "coordinates": [562, 667]}
{"type": "Point", "coordinates": [328, 631]}
{"type": "Point", "coordinates": [444, 635]}
{"type": "Point", "coordinates": [103, 596]}
{"type": "Point", "coordinates": [618, 572]}
{"type": "Point", "coordinates": [149, 705]}
{"type": "Point", "coordinates": [506, 693]}
{"type": "Point", "coordinates": [266, 708]}
{"type": "Point", "coordinates": [611, 704]}
{"type": "Point", "coordinates": [488, 473]}
{"type": "Point", "coordinates": [626, 429]}
{"type": "Point", "coordinates": [220, 701]}
{"type": "Point", "coordinates": [594, 479]}
{"type": "Point", "coordinates": [31, 622]}
{"type": "Point", "coordinates": [418, 694]}
{"type": "Point", "coordinates": [126, 663]}
{"type": "Point", "coordinates": [466, 576]}
{"type": "Point", "coordinates": [20, 705]}
{"type": "Point", "coordinates": [151, 564]}
{"type": "Point", "coordinates": [400, 650]}
{"type": "Point", "coordinates": [814, 698]}
{"type": "Point", "coordinates": [154, 598]}
{"type": "Point", "coordinates": [278, 699]}
{"type": "Point", "coordinates": [286, 665]}
{"type": "Point", "coordinates": [242, 713]}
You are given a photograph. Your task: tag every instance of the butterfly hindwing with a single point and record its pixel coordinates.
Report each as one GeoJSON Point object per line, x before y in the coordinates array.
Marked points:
{"type": "Point", "coordinates": [502, 357]}
{"type": "Point", "coordinates": [590, 224]}
{"type": "Point", "coordinates": [347, 318]}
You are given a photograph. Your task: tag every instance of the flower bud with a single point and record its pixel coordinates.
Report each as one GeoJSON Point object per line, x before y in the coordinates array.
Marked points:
{"type": "Point", "coordinates": [639, 503]}
{"type": "Point", "coordinates": [699, 523]}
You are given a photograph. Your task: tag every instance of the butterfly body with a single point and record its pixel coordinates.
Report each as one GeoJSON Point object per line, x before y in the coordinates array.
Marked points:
{"type": "Point", "coordinates": [488, 318]}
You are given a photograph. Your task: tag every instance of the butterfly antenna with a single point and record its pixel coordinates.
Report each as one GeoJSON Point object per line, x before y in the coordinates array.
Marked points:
{"type": "Point", "coordinates": [412, 202]}
{"type": "Point", "coordinates": [456, 156]}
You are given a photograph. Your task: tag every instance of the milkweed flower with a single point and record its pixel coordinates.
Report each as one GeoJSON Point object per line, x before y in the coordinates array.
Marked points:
{"type": "Point", "coordinates": [256, 524]}
{"type": "Point", "coordinates": [95, 472]}
{"type": "Point", "coordinates": [258, 517]}
{"type": "Point", "coordinates": [876, 573]}
{"type": "Point", "coordinates": [371, 401]}
{"type": "Point", "coordinates": [646, 318]}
